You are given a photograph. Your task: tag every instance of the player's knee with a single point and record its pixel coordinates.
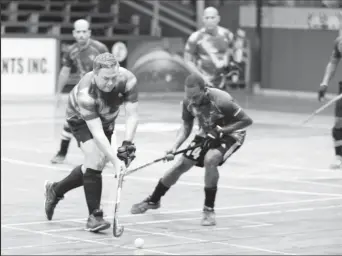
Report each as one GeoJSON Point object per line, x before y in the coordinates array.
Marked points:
{"type": "Point", "coordinates": [95, 161]}
{"type": "Point", "coordinates": [212, 159]}
{"type": "Point", "coordinates": [182, 166]}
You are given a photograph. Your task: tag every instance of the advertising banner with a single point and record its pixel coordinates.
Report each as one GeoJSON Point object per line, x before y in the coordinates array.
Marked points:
{"type": "Point", "coordinates": [28, 66]}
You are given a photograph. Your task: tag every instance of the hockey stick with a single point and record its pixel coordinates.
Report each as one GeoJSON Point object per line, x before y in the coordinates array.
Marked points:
{"type": "Point", "coordinates": [322, 108]}
{"type": "Point", "coordinates": [160, 159]}
{"type": "Point", "coordinates": [117, 229]}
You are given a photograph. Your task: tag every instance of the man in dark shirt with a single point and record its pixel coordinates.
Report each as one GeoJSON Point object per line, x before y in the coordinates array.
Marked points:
{"type": "Point", "coordinates": [222, 122]}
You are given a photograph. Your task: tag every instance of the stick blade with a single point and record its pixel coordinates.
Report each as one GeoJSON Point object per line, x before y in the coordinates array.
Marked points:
{"type": "Point", "coordinates": [117, 230]}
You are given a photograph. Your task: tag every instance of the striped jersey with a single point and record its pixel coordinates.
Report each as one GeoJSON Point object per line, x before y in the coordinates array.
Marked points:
{"type": "Point", "coordinates": [87, 102]}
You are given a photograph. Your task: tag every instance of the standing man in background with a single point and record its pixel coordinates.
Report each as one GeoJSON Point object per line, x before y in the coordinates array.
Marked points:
{"type": "Point", "coordinates": [329, 73]}
{"type": "Point", "coordinates": [208, 50]}
{"type": "Point", "coordinates": [80, 55]}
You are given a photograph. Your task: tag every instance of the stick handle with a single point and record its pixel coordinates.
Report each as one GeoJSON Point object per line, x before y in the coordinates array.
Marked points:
{"type": "Point", "coordinates": [319, 110]}
{"type": "Point", "coordinates": [159, 159]}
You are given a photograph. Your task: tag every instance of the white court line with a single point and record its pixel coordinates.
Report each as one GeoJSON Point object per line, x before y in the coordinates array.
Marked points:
{"type": "Point", "coordinates": [233, 215]}
{"type": "Point", "coordinates": [73, 242]}
{"type": "Point", "coordinates": [298, 192]}
{"type": "Point", "coordinates": [260, 177]}
{"type": "Point", "coordinates": [208, 241]}
{"type": "Point", "coordinates": [179, 219]}
{"type": "Point", "coordinates": [37, 245]}
{"type": "Point", "coordinates": [259, 121]}
{"type": "Point", "coordinates": [261, 165]}
{"type": "Point", "coordinates": [38, 121]}
{"type": "Point", "coordinates": [70, 238]}
{"type": "Point", "coordinates": [179, 211]}
{"type": "Point", "coordinates": [134, 223]}
{"type": "Point", "coordinates": [39, 151]}
{"type": "Point", "coordinates": [26, 163]}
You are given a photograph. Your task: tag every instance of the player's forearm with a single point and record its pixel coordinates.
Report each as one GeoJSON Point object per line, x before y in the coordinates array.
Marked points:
{"type": "Point", "coordinates": [62, 79]}
{"type": "Point", "coordinates": [131, 127]}
{"type": "Point", "coordinates": [329, 72]}
{"type": "Point", "coordinates": [182, 134]}
{"type": "Point", "coordinates": [105, 147]}
{"type": "Point", "coordinates": [241, 124]}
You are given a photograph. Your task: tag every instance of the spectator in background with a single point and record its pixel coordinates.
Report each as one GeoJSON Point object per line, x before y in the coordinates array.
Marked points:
{"type": "Point", "coordinates": [208, 50]}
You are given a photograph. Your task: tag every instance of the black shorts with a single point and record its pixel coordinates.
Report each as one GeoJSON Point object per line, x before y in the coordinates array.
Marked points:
{"type": "Point", "coordinates": [229, 145]}
{"type": "Point", "coordinates": [82, 133]}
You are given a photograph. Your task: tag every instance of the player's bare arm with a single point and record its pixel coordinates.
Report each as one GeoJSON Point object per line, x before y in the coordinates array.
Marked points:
{"type": "Point", "coordinates": [242, 121]}
{"type": "Point", "coordinates": [64, 72]}
{"type": "Point", "coordinates": [131, 105]}
{"type": "Point", "coordinates": [183, 133]}
{"type": "Point", "coordinates": [333, 63]}
{"type": "Point", "coordinates": [233, 112]}
{"type": "Point", "coordinates": [330, 68]}
{"type": "Point", "coordinates": [63, 78]}
{"type": "Point", "coordinates": [94, 123]}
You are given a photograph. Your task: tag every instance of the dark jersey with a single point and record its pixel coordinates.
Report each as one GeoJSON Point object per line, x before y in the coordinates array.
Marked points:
{"type": "Point", "coordinates": [87, 102]}
{"type": "Point", "coordinates": [220, 109]}
{"type": "Point", "coordinates": [82, 58]}
{"type": "Point", "coordinates": [202, 46]}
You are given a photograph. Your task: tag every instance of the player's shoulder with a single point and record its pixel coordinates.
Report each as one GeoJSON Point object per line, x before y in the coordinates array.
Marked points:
{"type": "Point", "coordinates": [84, 87]}
{"type": "Point", "coordinates": [127, 77]}
{"type": "Point", "coordinates": [338, 40]}
{"type": "Point", "coordinates": [97, 44]}
{"type": "Point", "coordinates": [338, 44]}
{"type": "Point", "coordinates": [195, 36]}
{"type": "Point", "coordinates": [72, 48]}
{"type": "Point", "coordinates": [219, 96]}
{"type": "Point", "coordinates": [226, 32]}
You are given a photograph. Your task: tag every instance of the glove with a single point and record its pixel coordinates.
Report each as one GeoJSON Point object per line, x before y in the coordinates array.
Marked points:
{"type": "Point", "coordinates": [321, 92]}
{"type": "Point", "coordinates": [126, 152]}
{"type": "Point", "coordinates": [212, 139]}
{"type": "Point", "coordinates": [169, 156]}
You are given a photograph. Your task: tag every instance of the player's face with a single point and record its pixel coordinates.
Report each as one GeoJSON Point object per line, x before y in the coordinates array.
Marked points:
{"type": "Point", "coordinates": [195, 95]}
{"type": "Point", "coordinates": [81, 35]}
{"type": "Point", "coordinates": [106, 78]}
{"type": "Point", "coordinates": [211, 20]}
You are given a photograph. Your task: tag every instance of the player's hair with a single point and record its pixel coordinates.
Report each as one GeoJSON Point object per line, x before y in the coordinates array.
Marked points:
{"type": "Point", "coordinates": [104, 60]}
{"type": "Point", "coordinates": [194, 80]}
